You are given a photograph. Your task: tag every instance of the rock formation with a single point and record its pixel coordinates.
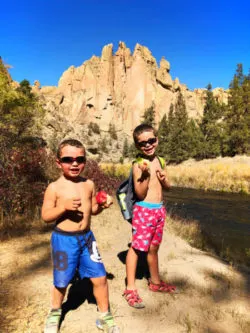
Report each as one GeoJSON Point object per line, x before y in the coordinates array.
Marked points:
{"type": "Point", "coordinates": [116, 88]}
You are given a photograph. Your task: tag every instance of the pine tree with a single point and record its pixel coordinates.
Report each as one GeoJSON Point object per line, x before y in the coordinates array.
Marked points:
{"type": "Point", "coordinates": [211, 126]}
{"type": "Point", "coordinates": [195, 139]}
{"type": "Point", "coordinates": [149, 116]}
{"type": "Point", "coordinates": [163, 136]}
{"type": "Point", "coordinates": [178, 131]}
{"type": "Point", "coordinates": [25, 89]}
{"type": "Point", "coordinates": [125, 151]}
{"type": "Point", "coordinates": [112, 132]}
{"type": "Point", "coordinates": [246, 111]}
{"type": "Point", "coordinates": [237, 123]}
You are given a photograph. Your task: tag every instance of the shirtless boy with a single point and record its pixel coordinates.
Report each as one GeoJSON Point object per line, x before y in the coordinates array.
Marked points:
{"type": "Point", "coordinates": [149, 215]}
{"type": "Point", "coordinates": [70, 201]}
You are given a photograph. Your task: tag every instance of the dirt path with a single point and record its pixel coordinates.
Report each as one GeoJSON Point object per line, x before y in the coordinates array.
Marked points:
{"type": "Point", "coordinates": [214, 297]}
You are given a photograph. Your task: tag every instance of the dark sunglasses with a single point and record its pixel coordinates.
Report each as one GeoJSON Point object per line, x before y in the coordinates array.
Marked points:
{"type": "Point", "coordinates": [70, 160]}
{"type": "Point", "coordinates": [144, 143]}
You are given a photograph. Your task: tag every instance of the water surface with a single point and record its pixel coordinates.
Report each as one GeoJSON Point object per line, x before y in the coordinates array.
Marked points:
{"type": "Point", "coordinates": [223, 217]}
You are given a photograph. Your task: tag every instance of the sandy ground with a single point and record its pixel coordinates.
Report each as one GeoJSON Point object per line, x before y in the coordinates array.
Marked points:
{"type": "Point", "coordinates": [214, 297]}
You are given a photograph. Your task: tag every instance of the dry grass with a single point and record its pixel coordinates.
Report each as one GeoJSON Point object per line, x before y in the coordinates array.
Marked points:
{"type": "Point", "coordinates": [220, 174]}
{"type": "Point", "coordinates": [12, 226]}
{"type": "Point", "coordinates": [117, 170]}
{"type": "Point", "coordinates": [187, 230]}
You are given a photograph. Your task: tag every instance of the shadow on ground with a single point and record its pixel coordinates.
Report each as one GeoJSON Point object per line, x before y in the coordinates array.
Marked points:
{"type": "Point", "coordinates": [79, 292]}
{"type": "Point", "coordinates": [142, 270]}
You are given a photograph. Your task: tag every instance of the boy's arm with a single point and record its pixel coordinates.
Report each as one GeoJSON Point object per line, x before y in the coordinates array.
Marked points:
{"type": "Point", "coordinates": [50, 212]}
{"type": "Point", "coordinates": [163, 178]}
{"type": "Point", "coordinates": [141, 177]}
{"type": "Point", "coordinates": [98, 208]}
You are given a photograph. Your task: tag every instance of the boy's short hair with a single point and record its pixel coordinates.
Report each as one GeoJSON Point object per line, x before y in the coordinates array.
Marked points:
{"type": "Point", "coordinates": [69, 142]}
{"type": "Point", "coordinates": [143, 128]}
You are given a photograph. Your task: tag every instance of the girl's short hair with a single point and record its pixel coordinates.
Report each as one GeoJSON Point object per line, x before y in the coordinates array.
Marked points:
{"type": "Point", "coordinates": [69, 142]}
{"type": "Point", "coordinates": [143, 128]}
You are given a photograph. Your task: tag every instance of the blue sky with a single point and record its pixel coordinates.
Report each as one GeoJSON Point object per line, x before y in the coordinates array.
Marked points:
{"type": "Point", "coordinates": [202, 40]}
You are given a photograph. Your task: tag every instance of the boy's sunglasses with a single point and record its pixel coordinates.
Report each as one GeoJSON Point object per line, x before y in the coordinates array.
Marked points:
{"type": "Point", "coordinates": [144, 143]}
{"type": "Point", "coordinates": [70, 160]}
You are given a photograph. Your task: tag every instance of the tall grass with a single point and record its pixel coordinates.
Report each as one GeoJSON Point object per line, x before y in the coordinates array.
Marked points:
{"type": "Point", "coordinates": [188, 230]}
{"type": "Point", "coordinates": [220, 174]}
{"type": "Point", "coordinates": [117, 170]}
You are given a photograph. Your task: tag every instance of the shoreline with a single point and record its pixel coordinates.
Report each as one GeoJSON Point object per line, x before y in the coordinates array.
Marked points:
{"type": "Point", "coordinates": [210, 191]}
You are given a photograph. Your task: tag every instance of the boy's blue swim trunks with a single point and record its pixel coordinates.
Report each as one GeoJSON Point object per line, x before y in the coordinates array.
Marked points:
{"type": "Point", "coordinates": [73, 251]}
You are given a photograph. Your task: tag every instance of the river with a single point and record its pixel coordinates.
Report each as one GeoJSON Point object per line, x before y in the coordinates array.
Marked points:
{"type": "Point", "coordinates": [224, 218]}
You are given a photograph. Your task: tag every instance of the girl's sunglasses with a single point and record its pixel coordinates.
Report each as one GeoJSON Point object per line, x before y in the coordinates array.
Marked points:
{"type": "Point", "coordinates": [144, 143]}
{"type": "Point", "coordinates": [70, 160]}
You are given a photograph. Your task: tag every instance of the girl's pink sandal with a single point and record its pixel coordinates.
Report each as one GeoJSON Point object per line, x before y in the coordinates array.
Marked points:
{"type": "Point", "coordinates": [163, 287]}
{"type": "Point", "coordinates": [133, 299]}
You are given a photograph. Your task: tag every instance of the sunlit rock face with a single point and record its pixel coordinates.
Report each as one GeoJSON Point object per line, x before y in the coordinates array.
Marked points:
{"type": "Point", "coordinates": [116, 88]}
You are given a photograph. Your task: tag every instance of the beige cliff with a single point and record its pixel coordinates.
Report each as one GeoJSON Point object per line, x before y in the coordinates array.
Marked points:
{"type": "Point", "coordinates": [117, 88]}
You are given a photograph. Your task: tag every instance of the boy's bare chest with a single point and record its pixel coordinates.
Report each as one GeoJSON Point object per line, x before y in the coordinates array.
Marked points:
{"type": "Point", "coordinates": [79, 191]}
{"type": "Point", "coordinates": [154, 183]}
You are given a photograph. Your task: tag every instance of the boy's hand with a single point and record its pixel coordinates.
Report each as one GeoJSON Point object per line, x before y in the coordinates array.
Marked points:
{"type": "Point", "coordinates": [108, 203]}
{"type": "Point", "coordinates": [72, 204]}
{"type": "Point", "coordinates": [162, 176]}
{"type": "Point", "coordinates": [144, 165]}
{"type": "Point", "coordinates": [103, 199]}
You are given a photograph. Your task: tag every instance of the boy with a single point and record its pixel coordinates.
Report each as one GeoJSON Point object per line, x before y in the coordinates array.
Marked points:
{"type": "Point", "coordinates": [70, 201]}
{"type": "Point", "coordinates": [148, 215]}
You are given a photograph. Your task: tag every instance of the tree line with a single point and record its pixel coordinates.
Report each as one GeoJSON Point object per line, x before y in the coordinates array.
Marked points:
{"type": "Point", "coordinates": [22, 152]}
{"type": "Point", "coordinates": [223, 130]}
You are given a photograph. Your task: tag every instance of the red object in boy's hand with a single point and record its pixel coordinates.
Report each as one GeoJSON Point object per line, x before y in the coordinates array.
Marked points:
{"type": "Point", "coordinates": [101, 197]}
